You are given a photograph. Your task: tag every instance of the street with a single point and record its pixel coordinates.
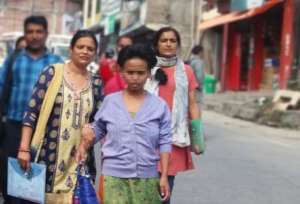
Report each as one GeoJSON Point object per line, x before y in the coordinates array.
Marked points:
{"type": "Point", "coordinates": [244, 164]}
{"type": "Point", "coordinates": [240, 59]}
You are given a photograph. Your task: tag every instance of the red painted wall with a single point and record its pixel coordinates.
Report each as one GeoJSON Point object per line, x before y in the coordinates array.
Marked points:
{"type": "Point", "coordinates": [256, 70]}
{"type": "Point", "coordinates": [286, 56]}
{"type": "Point", "coordinates": [233, 81]}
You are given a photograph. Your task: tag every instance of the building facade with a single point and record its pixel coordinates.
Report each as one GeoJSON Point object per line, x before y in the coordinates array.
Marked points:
{"type": "Point", "coordinates": [14, 12]}
{"type": "Point", "coordinates": [141, 18]}
{"type": "Point", "coordinates": [64, 16]}
{"type": "Point", "coordinates": [250, 43]}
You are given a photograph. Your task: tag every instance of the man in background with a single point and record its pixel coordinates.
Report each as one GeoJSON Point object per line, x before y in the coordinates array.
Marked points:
{"type": "Point", "coordinates": [122, 42]}
{"type": "Point", "coordinates": [107, 65]}
{"type": "Point", "coordinates": [116, 83]}
{"type": "Point", "coordinates": [27, 66]}
{"type": "Point", "coordinates": [197, 64]}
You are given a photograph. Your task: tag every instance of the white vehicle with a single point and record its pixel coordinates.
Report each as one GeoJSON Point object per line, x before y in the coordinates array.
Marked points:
{"type": "Point", "coordinates": [60, 45]}
{"type": "Point", "coordinates": [60, 49]}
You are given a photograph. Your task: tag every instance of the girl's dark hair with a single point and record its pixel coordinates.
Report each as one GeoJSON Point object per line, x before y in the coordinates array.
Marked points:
{"type": "Point", "coordinates": [81, 34]}
{"type": "Point", "coordinates": [160, 75]}
{"type": "Point", "coordinates": [140, 51]}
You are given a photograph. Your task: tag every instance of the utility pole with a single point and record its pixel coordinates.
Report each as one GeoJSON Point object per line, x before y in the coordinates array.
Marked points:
{"type": "Point", "coordinates": [32, 7]}
{"type": "Point", "coordinates": [85, 12]}
{"type": "Point", "coordinates": [54, 16]}
{"type": "Point", "coordinates": [2, 4]}
{"type": "Point", "coordinates": [198, 20]}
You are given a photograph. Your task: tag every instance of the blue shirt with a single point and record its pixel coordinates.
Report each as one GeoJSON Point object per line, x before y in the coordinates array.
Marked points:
{"type": "Point", "coordinates": [132, 145]}
{"type": "Point", "coordinates": [26, 71]}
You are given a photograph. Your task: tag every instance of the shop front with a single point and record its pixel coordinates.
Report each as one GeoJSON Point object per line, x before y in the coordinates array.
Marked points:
{"type": "Point", "coordinates": [252, 47]}
{"type": "Point", "coordinates": [295, 73]}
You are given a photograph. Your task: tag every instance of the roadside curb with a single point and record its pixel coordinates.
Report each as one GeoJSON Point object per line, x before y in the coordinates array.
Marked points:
{"type": "Point", "coordinates": [252, 106]}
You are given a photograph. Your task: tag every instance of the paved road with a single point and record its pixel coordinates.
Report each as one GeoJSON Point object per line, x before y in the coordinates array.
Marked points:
{"type": "Point", "coordinates": [244, 164]}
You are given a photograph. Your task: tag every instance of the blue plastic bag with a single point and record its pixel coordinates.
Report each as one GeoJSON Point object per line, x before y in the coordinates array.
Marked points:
{"type": "Point", "coordinates": [84, 192]}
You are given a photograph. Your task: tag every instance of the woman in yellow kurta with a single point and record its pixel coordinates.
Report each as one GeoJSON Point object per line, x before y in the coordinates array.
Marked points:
{"type": "Point", "coordinates": [65, 98]}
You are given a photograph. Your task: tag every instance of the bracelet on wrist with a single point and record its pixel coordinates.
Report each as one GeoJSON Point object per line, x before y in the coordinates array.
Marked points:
{"type": "Point", "coordinates": [24, 150]}
{"type": "Point", "coordinates": [88, 125]}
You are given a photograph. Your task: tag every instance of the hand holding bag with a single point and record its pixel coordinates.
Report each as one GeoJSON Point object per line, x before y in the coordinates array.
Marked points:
{"type": "Point", "coordinates": [26, 185]}
{"type": "Point", "coordinates": [84, 192]}
{"type": "Point", "coordinates": [198, 143]}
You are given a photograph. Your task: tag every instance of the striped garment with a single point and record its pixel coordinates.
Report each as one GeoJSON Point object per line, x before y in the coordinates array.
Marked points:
{"type": "Point", "coordinates": [26, 71]}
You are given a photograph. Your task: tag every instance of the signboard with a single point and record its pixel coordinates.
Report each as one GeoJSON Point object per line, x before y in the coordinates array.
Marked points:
{"type": "Point", "coordinates": [109, 7]}
{"type": "Point", "coordinates": [133, 15]}
{"type": "Point", "coordinates": [240, 5]}
{"type": "Point", "coordinates": [109, 24]}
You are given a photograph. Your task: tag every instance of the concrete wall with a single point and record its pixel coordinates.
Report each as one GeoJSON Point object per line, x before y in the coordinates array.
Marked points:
{"type": "Point", "coordinates": [15, 11]}
{"type": "Point", "coordinates": [181, 14]}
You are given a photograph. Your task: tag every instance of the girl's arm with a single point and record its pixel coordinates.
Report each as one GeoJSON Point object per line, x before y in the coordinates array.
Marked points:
{"type": "Point", "coordinates": [163, 183]}
{"type": "Point", "coordinates": [165, 149]}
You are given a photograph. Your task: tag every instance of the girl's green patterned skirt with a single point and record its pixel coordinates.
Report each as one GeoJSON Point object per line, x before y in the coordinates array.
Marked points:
{"type": "Point", "coordinates": [115, 190]}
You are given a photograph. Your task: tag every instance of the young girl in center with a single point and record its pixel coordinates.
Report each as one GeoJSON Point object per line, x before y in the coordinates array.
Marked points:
{"type": "Point", "coordinates": [136, 126]}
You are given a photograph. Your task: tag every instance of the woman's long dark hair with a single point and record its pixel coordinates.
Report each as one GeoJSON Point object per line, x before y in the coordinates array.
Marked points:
{"type": "Point", "coordinates": [160, 75]}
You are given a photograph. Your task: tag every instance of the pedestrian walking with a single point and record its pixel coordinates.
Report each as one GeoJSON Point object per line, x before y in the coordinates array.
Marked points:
{"type": "Point", "coordinates": [20, 43]}
{"type": "Point", "coordinates": [65, 98]}
{"type": "Point", "coordinates": [136, 128]}
{"type": "Point", "coordinates": [175, 82]}
{"type": "Point", "coordinates": [25, 69]}
{"type": "Point", "coordinates": [107, 66]}
{"type": "Point", "coordinates": [116, 83]}
{"type": "Point", "coordinates": [197, 64]}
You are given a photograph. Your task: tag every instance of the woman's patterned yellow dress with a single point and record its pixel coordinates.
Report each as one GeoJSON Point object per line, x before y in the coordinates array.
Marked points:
{"type": "Point", "coordinates": [70, 112]}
